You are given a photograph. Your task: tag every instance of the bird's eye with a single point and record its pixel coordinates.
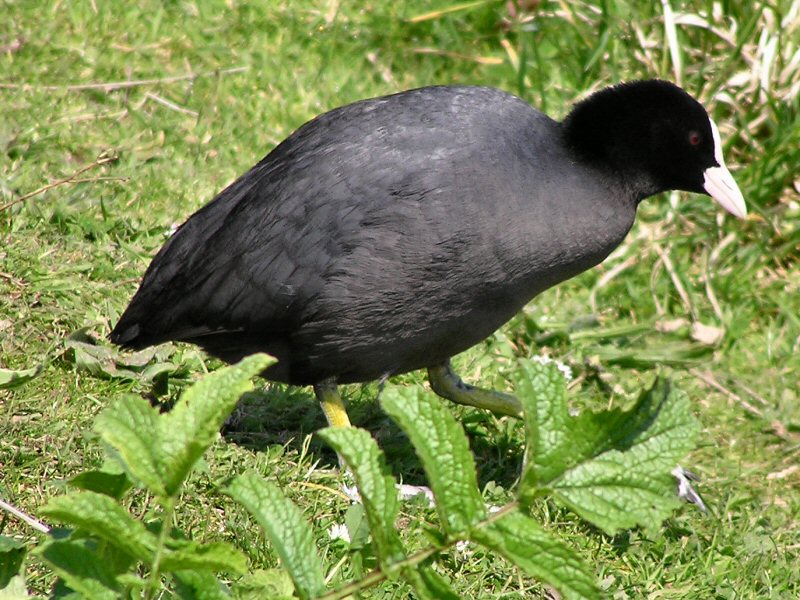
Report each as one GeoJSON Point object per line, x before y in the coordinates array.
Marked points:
{"type": "Point", "coordinates": [694, 138]}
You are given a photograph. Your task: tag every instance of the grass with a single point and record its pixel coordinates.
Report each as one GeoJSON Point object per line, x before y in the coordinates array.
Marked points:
{"type": "Point", "coordinates": [233, 79]}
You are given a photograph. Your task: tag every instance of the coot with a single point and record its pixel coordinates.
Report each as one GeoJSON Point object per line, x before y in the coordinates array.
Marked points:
{"type": "Point", "coordinates": [393, 233]}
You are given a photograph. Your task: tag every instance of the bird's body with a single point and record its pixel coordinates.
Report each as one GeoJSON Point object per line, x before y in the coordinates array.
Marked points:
{"type": "Point", "coordinates": [390, 234]}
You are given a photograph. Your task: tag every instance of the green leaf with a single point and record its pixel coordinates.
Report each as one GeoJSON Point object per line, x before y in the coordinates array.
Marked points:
{"type": "Point", "coordinates": [355, 519]}
{"type": "Point", "coordinates": [523, 542]}
{"type": "Point", "coordinates": [158, 450]}
{"type": "Point", "coordinates": [130, 428]}
{"type": "Point", "coordinates": [377, 487]}
{"type": "Point", "coordinates": [428, 584]}
{"type": "Point", "coordinates": [678, 353]}
{"type": "Point", "coordinates": [14, 589]}
{"type": "Point", "coordinates": [556, 440]}
{"type": "Point", "coordinates": [106, 362]}
{"type": "Point", "coordinates": [12, 553]}
{"type": "Point", "coordinates": [102, 516]}
{"type": "Point", "coordinates": [199, 585]}
{"type": "Point", "coordinates": [612, 467]}
{"type": "Point", "coordinates": [10, 378]}
{"type": "Point", "coordinates": [113, 485]}
{"type": "Point", "coordinates": [80, 569]}
{"type": "Point", "coordinates": [194, 423]}
{"type": "Point", "coordinates": [442, 447]}
{"type": "Point", "coordinates": [216, 556]}
{"type": "Point", "coordinates": [88, 356]}
{"type": "Point", "coordinates": [287, 530]}
{"type": "Point", "coordinates": [634, 486]}
{"type": "Point", "coordinates": [274, 584]}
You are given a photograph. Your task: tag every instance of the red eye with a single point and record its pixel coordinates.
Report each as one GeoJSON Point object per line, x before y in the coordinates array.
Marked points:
{"type": "Point", "coordinates": [694, 138]}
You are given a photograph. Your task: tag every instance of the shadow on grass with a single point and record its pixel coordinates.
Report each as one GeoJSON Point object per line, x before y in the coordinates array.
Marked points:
{"type": "Point", "coordinates": [284, 415]}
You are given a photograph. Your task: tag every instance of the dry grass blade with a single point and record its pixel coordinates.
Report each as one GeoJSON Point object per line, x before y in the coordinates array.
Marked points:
{"type": "Point", "coordinates": [606, 278]}
{"type": "Point", "coordinates": [36, 524]}
{"type": "Point", "coordinates": [708, 379]}
{"type": "Point", "coordinates": [171, 105]}
{"type": "Point", "coordinates": [672, 41]}
{"type": "Point", "coordinates": [676, 281]}
{"type": "Point", "coordinates": [435, 14]}
{"type": "Point", "coordinates": [711, 264]}
{"type": "Point", "coordinates": [110, 86]}
{"type": "Point", "coordinates": [74, 178]}
{"type": "Point", "coordinates": [481, 60]}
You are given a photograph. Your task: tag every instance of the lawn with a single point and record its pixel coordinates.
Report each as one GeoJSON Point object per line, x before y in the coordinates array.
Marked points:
{"type": "Point", "coordinates": [118, 120]}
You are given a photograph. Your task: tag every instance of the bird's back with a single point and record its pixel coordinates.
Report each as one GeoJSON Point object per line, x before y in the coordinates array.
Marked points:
{"type": "Point", "coordinates": [381, 237]}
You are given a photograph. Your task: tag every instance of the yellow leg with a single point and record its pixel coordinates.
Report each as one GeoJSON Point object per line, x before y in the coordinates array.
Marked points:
{"type": "Point", "coordinates": [331, 402]}
{"type": "Point", "coordinates": [328, 395]}
{"type": "Point", "coordinates": [449, 385]}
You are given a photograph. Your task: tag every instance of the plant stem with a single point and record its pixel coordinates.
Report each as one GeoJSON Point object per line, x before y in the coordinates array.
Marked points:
{"type": "Point", "coordinates": [378, 575]}
{"type": "Point", "coordinates": [166, 526]}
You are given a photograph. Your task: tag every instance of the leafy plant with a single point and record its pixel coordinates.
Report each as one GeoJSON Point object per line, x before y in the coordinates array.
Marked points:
{"type": "Point", "coordinates": [238, 77]}
{"type": "Point", "coordinates": [109, 553]}
{"type": "Point", "coordinates": [611, 468]}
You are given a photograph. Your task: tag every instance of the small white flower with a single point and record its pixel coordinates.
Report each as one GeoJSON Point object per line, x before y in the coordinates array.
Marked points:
{"type": "Point", "coordinates": [546, 360]}
{"type": "Point", "coordinates": [339, 532]}
{"type": "Point", "coordinates": [351, 492]}
{"type": "Point", "coordinates": [685, 489]}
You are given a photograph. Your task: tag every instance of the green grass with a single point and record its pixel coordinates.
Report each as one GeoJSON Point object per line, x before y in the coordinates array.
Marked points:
{"type": "Point", "coordinates": [70, 257]}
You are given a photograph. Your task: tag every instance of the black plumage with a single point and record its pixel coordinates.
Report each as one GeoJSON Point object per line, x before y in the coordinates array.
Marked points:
{"type": "Point", "coordinates": [391, 234]}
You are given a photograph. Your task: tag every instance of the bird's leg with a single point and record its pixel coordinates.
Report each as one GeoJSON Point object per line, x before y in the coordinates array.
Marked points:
{"type": "Point", "coordinates": [449, 385]}
{"type": "Point", "coordinates": [327, 393]}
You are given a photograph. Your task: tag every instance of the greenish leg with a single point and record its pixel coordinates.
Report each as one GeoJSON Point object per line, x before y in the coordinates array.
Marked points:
{"type": "Point", "coordinates": [449, 385]}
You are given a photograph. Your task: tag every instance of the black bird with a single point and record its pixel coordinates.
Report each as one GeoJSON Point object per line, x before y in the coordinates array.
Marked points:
{"type": "Point", "coordinates": [393, 233]}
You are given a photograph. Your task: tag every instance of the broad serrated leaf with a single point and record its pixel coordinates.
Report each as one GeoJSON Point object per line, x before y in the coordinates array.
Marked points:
{"type": "Point", "coordinates": [377, 487]}
{"type": "Point", "coordinates": [113, 485]}
{"type": "Point", "coordinates": [158, 450]}
{"type": "Point", "coordinates": [102, 516]}
{"type": "Point", "coordinates": [14, 589]}
{"type": "Point", "coordinates": [11, 378]}
{"type": "Point", "coordinates": [96, 360]}
{"type": "Point", "coordinates": [522, 541]}
{"type": "Point", "coordinates": [635, 486]}
{"type": "Point", "coordinates": [612, 467]}
{"type": "Point", "coordinates": [355, 519]}
{"type": "Point", "coordinates": [428, 584]}
{"type": "Point", "coordinates": [107, 362]}
{"type": "Point", "coordinates": [199, 585]}
{"type": "Point", "coordinates": [12, 553]}
{"type": "Point", "coordinates": [215, 556]}
{"type": "Point", "coordinates": [130, 427]}
{"type": "Point", "coordinates": [614, 492]}
{"type": "Point", "coordinates": [274, 584]}
{"type": "Point", "coordinates": [194, 423]}
{"type": "Point", "coordinates": [556, 440]}
{"type": "Point", "coordinates": [80, 569]}
{"type": "Point", "coordinates": [443, 449]}
{"type": "Point", "coordinates": [154, 371]}
{"type": "Point", "coordinates": [288, 532]}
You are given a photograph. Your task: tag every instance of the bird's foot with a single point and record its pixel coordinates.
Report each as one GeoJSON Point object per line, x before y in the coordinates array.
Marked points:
{"type": "Point", "coordinates": [447, 384]}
